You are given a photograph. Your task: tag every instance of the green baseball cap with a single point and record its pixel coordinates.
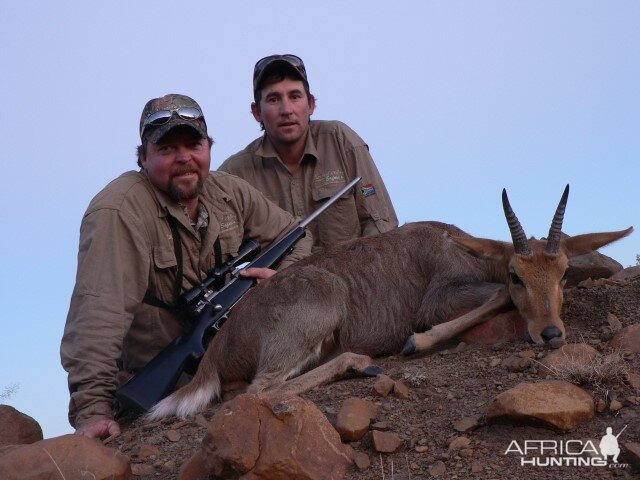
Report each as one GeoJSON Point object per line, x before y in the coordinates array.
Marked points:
{"type": "Point", "coordinates": [165, 113]}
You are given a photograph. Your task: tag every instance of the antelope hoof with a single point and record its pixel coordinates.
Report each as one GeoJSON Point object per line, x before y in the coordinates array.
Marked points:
{"type": "Point", "coordinates": [372, 371]}
{"type": "Point", "coordinates": [409, 347]}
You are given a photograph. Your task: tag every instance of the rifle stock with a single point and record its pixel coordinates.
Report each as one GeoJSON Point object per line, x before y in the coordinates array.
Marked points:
{"type": "Point", "coordinates": [210, 310]}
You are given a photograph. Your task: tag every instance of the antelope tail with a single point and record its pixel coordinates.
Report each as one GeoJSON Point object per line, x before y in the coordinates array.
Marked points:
{"type": "Point", "coordinates": [190, 399]}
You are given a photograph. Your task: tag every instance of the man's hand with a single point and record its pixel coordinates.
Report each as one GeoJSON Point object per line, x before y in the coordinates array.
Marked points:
{"type": "Point", "coordinates": [99, 428]}
{"type": "Point", "coordinates": [257, 273]}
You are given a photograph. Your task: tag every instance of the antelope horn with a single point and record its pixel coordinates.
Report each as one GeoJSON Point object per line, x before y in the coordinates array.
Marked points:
{"type": "Point", "coordinates": [553, 240]}
{"type": "Point", "coordinates": [517, 233]}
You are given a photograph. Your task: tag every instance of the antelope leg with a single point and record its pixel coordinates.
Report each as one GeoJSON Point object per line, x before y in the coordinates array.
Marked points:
{"type": "Point", "coordinates": [421, 342]}
{"type": "Point", "coordinates": [343, 365]}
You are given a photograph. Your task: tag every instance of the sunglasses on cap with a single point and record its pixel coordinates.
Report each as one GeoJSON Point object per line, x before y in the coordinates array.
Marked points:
{"type": "Point", "coordinates": [163, 116]}
{"type": "Point", "coordinates": [293, 60]}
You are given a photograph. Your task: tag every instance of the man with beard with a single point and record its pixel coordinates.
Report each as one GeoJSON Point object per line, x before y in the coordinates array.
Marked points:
{"type": "Point", "coordinates": [298, 163]}
{"type": "Point", "coordinates": [146, 238]}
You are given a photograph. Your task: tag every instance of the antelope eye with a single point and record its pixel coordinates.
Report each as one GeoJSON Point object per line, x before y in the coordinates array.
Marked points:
{"type": "Point", "coordinates": [515, 279]}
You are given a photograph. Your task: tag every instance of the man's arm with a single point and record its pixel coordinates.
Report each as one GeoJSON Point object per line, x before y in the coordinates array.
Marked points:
{"type": "Point", "coordinates": [266, 222]}
{"type": "Point", "coordinates": [373, 203]}
{"type": "Point", "coordinates": [113, 271]}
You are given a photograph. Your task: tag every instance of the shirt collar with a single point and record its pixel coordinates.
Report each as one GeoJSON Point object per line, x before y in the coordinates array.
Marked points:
{"type": "Point", "coordinates": [267, 150]}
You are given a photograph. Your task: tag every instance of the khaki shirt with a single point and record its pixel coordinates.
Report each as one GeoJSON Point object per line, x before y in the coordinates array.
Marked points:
{"type": "Point", "coordinates": [126, 249]}
{"type": "Point", "coordinates": [334, 155]}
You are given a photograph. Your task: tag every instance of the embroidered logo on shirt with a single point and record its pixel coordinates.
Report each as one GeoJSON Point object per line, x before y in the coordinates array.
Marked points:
{"type": "Point", "coordinates": [228, 222]}
{"type": "Point", "coordinates": [334, 176]}
{"type": "Point", "coordinates": [368, 190]}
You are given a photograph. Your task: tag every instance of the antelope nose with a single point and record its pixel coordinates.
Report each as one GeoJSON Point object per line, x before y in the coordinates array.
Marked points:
{"type": "Point", "coordinates": [550, 333]}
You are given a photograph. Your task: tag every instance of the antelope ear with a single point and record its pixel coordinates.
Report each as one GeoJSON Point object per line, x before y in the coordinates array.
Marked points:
{"type": "Point", "coordinates": [591, 241]}
{"type": "Point", "coordinates": [484, 247]}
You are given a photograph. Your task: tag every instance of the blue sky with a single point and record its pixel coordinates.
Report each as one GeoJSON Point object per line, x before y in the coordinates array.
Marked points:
{"type": "Point", "coordinates": [455, 99]}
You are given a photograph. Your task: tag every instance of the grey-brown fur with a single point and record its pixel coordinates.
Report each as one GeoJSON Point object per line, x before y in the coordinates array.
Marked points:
{"type": "Point", "coordinates": [366, 296]}
{"type": "Point", "coordinates": [370, 295]}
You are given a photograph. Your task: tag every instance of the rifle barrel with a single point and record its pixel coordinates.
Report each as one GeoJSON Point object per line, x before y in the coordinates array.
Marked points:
{"type": "Point", "coordinates": [158, 378]}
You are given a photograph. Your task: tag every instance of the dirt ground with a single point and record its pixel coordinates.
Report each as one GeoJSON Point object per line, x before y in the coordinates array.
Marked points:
{"type": "Point", "coordinates": [447, 386]}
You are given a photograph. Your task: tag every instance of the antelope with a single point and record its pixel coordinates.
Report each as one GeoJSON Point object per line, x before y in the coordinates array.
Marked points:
{"type": "Point", "coordinates": [368, 297]}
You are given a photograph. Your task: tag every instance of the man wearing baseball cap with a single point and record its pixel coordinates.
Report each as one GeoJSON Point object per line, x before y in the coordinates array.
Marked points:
{"type": "Point", "coordinates": [147, 237]}
{"type": "Point", "coordinates": [298, 163]}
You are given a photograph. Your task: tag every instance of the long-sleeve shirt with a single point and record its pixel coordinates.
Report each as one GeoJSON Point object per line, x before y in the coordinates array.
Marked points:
{"type": "Point", "coordinates": [126, 250]}
{"type": "Point", "coordinates": [334, 154]}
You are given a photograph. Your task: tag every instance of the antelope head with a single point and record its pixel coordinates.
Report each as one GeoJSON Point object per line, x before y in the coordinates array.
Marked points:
{"type": "Point", "coordinates": [536, 269]}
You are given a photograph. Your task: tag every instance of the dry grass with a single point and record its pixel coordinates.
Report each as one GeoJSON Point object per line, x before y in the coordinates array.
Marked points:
{"type": "Point", "coordinates": [391, 467]}
{"type": "Point", "coordinates": [55, 463]}
{"type": "Point", "coordinates": [600, 371]}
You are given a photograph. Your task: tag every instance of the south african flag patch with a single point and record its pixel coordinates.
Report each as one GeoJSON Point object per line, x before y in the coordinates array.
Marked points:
{"type": "Point", "coordinates": [368, 190]}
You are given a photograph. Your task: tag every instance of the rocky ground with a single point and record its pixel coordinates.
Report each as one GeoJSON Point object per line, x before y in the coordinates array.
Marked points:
{"type": "Point", "coordinates": [457, 382]}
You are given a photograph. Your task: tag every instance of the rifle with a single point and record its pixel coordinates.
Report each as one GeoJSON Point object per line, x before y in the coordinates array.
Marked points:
{"type": "Point", "coordinates": [207, 309]}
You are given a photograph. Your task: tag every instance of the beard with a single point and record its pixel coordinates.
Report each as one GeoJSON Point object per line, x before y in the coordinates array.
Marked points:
{"type": "Point", "coordinates": [178, 193]}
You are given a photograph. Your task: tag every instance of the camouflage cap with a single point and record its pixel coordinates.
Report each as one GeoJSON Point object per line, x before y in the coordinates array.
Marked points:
{"type": "Point", "coordinates": [170, 103]}
{"type": "Point", "coordinates": [265, 65]}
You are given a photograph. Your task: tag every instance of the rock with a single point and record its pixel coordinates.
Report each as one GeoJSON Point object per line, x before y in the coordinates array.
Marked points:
{"type": "Point", "coordinates": [633, 450]}
{"type": "Point", "coordinates": [466, 424]}
{"type": "Point", "coordinates": [64, 457]}
{"type": "Point", "coordinates": [385, 442]}
{"type": "Point", "coordinates": [633, 379]}
{"type": "Point", "coordinates": [16, 428]}
{"type": "Point", "coordinates": [466, 452]}
{"type": "Point", "coordinates": [142, 469]}
{"type": "Point", "coordinates": [527, 354]}
{"type": "Point", "coordinates": [556, 342]}
{"type": "Point", "coordinates": [588, 283]}
{"type": "Point", "coordinates": [459, 442]}
{"type": "Point", "coordinates": [606, 282]}
{"type": "Point", "coordinates": [437, 469]}
{"type": "Point", "coordinates": [627, 274]}
{"type": "Point", "coordinates": [552, 404]}
{"type": "Point", "coordinates": [362, 461]}
{"type": "Point", "coordinates": [627, 340]}
{"type": "Point", "coordinates": [383, 426]}
{"type": "Point", "coordinates": [592, 265]}
{"type": "Point", "coordinates": [461, 347]}
{"type": "Point", "coordinates": [146, 451]}
{"type": "Point", "coordinates": [400, 390]}
{"type": "Point", "coordinates": [476, 467]}
{"type": "Point", "coordinates": [265, 438]}
{"type": "Point", "coordinates": [615, 405]}
{"type": "Point", "coordinates": [173, 435]}
{"type": "Point", "coordinates": [354, 418]}
{"type": "Point", "coordinates": [422, 448]}
{"type": "Point", "coordinates": [614, 323]}
{"type": "Point", "coordinates": [601, 405]}
{"type": "Point", "coordinates": [383, 385]}
{"type": "Point", "coordinates": [568, 357]}
{"type": "Point", "coordinates": [516, 363]}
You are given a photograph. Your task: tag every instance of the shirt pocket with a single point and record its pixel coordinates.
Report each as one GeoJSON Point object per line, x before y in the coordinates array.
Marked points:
{"type": "Point", "coordinates": [230, 240]}
{"type": "Point", "coordinates": [340, 221]}
{"type": "Point", "coordinates": [164, 274]}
